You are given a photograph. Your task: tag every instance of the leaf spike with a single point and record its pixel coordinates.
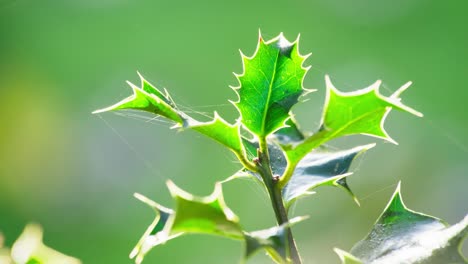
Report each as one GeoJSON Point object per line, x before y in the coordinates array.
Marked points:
{"type": "Point", "coordinates": [260, 38]}
{"type": "Point", "coordinates": [397, 93]}
{"type": "Point", "coordinates": [234, 103]}
{"type": "Point", "coordinates": [396, 204]}
{"type": "Point", "coordinates": [297, 38]}
{"type": "Point", "coordinates": [152, 203]}
{"type": "Point", "coordinates": [135, 89]}
{"type": "Point", "coordinates": [234, 87]}
{"type": "Point", "coordinates": [400, 90]}
{"type": "Point", "coordinates": [133, 86]}
{"type": "Point", "coordinates": [306, 56]}
{"type": "Point", "coordinates": [176, 191]}
{"type": "Point", "coordinates": [243, 56]}
{"type": "Point", "coordinates": [298, 219]}
{"type": "Point", "coordinates": [144, 199]}
{"type": "Point", "coordinates": [367, 147]}
{"type": "Point", "coordinates": [142, 79]}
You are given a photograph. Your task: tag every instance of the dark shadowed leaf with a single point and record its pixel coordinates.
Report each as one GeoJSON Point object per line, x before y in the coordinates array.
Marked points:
{"type": "Point", "coordinates": [401, 235]}
{"type": "Point", "coordinates": [320, 168]}
{"type": "Point", "coordinates": [273, 240]}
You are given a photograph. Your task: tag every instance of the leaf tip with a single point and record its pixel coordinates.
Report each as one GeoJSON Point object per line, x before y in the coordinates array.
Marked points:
{"type": "Point", "coordinates": [400, 90]}
{"type": "Point", "coordinates": [99, 111]}
{"type": "Point", "coordinates": [134, 253]}
{"type": "Point", "coordinates": [139, 196]}
{"type": "Point", "coordinates": [376, 85]}
{"type": "Point", "coordinates": [356, 200]}
{"type": "Point", "coordinates": [328, 83]}
{"type": "Point", "coordinates": [260, 38]}
{"type": "Point", "coordinates": [298, 219]}
{"type": "Point", "coordinates": [396, 202]}
{"type": "Point", "coordinates": [141, 76]}
{"type": "Point", "coordinates": [398, 188]}
{"type": "Point", "coordinates": [298, 38]}
{"type": "Point", "coordinates": [369, 146]}
{"type": "Point", "coordinates": [173, 189]}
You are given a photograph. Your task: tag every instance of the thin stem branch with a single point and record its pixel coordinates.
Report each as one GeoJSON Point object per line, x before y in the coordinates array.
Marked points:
{"type": "Point", "coordinates": [274, 190]}
{"type": "Point", "coordinates": [245, 162]}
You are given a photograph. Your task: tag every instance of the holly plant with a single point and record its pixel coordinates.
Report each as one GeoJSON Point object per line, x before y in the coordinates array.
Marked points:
{"type": "Point", "coordinates": [290, 164]}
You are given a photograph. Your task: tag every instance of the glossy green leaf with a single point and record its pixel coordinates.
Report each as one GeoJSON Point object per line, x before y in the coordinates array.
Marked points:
{"type": "Point", "coordinates": [208, 215]}
{"type": "Point", "coordinates": [401, 235]}
{"type": "Point", "coordinates": [348, 113]}
{"type": "Point", "coordinates": [148, 98]}
{"type": "Point", "coordinates": [201, 215]}
{"type": "Point", "coordinates": [320, 168]}
{"type": "Point", "coordinates": [270, 85]}
{"type": "Point", "coordinates": [29, 249]}
{"type": "Point", "coordinates": [273, 240]}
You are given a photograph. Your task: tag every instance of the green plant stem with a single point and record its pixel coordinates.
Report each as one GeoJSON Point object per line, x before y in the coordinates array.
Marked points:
{"type": "Point", "coordinates": [247, 164]}
{"type": "Point", "coordinates": [274, 190]}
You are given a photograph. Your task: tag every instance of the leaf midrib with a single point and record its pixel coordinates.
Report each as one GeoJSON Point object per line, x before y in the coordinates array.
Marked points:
{"type": "Point", "coordinates": [354, 121]}
{"type": "Point", "coordinates": [270, 89]}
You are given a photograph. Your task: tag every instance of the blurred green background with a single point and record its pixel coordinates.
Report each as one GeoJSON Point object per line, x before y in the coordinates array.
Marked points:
{"type": "Point", "coordinates": [75, 173]}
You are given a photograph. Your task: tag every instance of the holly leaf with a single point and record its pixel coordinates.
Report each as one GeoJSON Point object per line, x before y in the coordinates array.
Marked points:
{"type": "Point", "coordinates": [349, 113]}
{"type": "Point", "coordinates": [208, 215]}
{"type": "Point", "coordinates": [401, 235]}
{"type": "Point", "coordinates": [150, 99]}
{"type": "Point", "coordinates": [200, 215]}
{"type": "Point", "coordinates": [29, 248]}
{"type": "Point", "coordinates": [273, 240]}
{"type": "Point", "coordinates": [320, 168]}
{"type": "Point", "coordinates": [270, 85]}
